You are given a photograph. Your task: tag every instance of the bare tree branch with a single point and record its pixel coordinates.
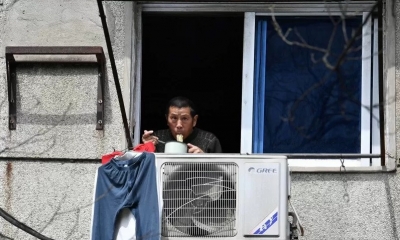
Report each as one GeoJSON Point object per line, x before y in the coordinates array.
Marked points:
{"type": "Point", "coordinates": [353, 39]}
{"type": "Point", "coordinates": [54, 214]}
{"type": "Point", "coordinates": [35, 136]}
{"type": "Point", "coordinates": [77, 213]}
{"type": "Point", "coordinates": [348, 48]}
{"type": "Point", "coordinates": [284, 37]}
{"type": "Point", "coordinates": [30, 139]}
{"type": "Point", "coordinates": [346, 39]}
{"type": "Point", "coordinates": [328, 50]}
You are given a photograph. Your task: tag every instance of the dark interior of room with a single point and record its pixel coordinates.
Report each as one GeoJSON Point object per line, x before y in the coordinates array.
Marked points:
{"type": "Point", "coordinates": [199, 57]}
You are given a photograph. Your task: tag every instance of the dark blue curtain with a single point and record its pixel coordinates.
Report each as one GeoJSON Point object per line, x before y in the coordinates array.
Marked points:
{"type": "Point", "coordinates": [259, 86]}
{"type": "Point", "coordinates": [305, 106]}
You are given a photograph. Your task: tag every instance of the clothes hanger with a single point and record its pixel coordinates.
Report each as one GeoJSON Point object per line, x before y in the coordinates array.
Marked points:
{"type": "Point", "coordinates": [128, 155]}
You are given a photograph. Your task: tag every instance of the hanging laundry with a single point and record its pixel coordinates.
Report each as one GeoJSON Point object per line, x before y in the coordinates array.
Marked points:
{"type": "Point", "coordinates": [144, 147]}
{"type": "Point", "coordinates": [127, 184]}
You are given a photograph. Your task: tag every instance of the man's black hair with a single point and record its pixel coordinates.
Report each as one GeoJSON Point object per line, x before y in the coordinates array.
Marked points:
{"type": "Point", "coordinates": [181, 102]}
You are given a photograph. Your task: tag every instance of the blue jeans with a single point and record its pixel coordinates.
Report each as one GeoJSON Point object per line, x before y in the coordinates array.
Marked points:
{"type": "Point", "coordinates": [127, 184]}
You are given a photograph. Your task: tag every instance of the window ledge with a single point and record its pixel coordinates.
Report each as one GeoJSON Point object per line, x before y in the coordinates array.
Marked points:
{"type": "Point", "coordinates": [350, 169]}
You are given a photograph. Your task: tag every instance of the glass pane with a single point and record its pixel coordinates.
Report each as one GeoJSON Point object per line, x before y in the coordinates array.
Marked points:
{"type": "Point", "coordinates": [310, 107]}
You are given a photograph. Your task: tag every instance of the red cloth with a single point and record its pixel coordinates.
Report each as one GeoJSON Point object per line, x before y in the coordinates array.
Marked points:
{"type": "Point", "coordinates": [144, 147]}
{"type": "Point", "coordinates": [107, 157]}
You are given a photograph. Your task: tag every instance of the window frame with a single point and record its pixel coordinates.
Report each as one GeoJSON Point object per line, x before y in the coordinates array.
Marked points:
{"type": "Point", "coordinates": [247, 91]}
{"type": "Point", "coordinates": [250, 10]}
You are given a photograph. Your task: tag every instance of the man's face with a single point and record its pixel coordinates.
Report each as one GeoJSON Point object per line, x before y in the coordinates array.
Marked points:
{"type": "Point", "coordinates": [180, 121]}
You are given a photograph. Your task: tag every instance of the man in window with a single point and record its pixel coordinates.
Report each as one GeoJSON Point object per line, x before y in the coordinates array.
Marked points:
{"type": "Point", "coordinates": [181, 118]}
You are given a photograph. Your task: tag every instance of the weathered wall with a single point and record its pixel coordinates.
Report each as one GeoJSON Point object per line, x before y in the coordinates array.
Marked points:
{"type": "Point", "coordinates": [56, 115]}
{"type": "Point", "coordinates": [51, 197]}
{"type": "Point", "coordinates": [370, 212]}
{"type": "Point", "coordinates": [55, 197]}
{"type": "Point", "coordinates": [56, 108]}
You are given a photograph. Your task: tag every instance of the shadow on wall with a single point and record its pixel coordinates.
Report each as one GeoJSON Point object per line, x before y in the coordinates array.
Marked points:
{"type": "Point", "coordinates": [59, 94]}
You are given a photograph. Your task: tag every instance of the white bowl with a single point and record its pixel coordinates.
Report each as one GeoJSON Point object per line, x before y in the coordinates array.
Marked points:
{"type": "Point", "coordinates": [175, 147]}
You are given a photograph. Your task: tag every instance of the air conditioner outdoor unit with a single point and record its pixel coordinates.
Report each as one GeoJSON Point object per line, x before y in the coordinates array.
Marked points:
{"type": "Point", "coordinates": [224, 196]}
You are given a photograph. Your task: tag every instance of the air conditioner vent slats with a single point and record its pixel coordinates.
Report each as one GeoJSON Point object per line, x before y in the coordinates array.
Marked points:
{"type": "Point", "coordinates": [200, 199]}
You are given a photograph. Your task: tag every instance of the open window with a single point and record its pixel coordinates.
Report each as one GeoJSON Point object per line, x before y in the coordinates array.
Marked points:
{"type": "Point", "coordinates": [268, 79]}
{"type": "Point", "coordinates": [315, 94]}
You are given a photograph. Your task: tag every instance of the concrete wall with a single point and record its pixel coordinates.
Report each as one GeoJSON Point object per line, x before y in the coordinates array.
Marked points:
{"type": "Point", "coordinates": [56, 115]}
{"type": "Point", "coordinates": [56, 119]}
{"type": "Point", "coordinates": [56, 108]}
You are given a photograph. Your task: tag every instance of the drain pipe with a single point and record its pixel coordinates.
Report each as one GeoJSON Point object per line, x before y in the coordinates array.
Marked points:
{"type": "Point", "coordinates": [115, 74]}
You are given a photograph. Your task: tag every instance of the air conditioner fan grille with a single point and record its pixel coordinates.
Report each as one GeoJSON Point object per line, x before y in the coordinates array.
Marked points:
{"type": "Point", "coordinates": [199, 199]}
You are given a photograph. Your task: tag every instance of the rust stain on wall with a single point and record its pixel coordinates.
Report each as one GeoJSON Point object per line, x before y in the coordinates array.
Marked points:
{"type": "Point", "coordinates": [8, 183]}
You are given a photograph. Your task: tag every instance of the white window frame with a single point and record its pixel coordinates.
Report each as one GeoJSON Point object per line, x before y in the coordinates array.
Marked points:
{"type": "Point", "coordinates": [247, 91]}
{"type": "Point", "coordinates": [251, 10]}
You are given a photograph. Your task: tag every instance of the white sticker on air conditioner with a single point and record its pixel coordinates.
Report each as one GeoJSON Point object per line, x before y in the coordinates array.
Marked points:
{"type": "Point", "coordinates": [266, 223]}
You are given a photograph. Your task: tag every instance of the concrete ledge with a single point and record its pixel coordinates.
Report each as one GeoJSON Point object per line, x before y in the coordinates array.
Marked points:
{"type": "Point", "coordinates": [372, 169]}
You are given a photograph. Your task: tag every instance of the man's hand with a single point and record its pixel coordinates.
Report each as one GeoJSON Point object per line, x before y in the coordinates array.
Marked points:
{"type": "Point", "coordinates": [148, 137]}
{"type": "Point", "coordinates": [194, 149]}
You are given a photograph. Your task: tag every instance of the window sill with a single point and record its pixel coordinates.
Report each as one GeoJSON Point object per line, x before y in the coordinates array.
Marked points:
{"type": "Point", "coordinates": [349, 169]}
{"type": "Point", "coordinates": [350, 163]}
{"type": "Point", "coordinates": [304, 165]}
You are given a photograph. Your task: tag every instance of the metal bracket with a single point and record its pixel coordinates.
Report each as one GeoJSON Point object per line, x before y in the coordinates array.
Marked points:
{"type": "Point", "coordinates": [12, 77]}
